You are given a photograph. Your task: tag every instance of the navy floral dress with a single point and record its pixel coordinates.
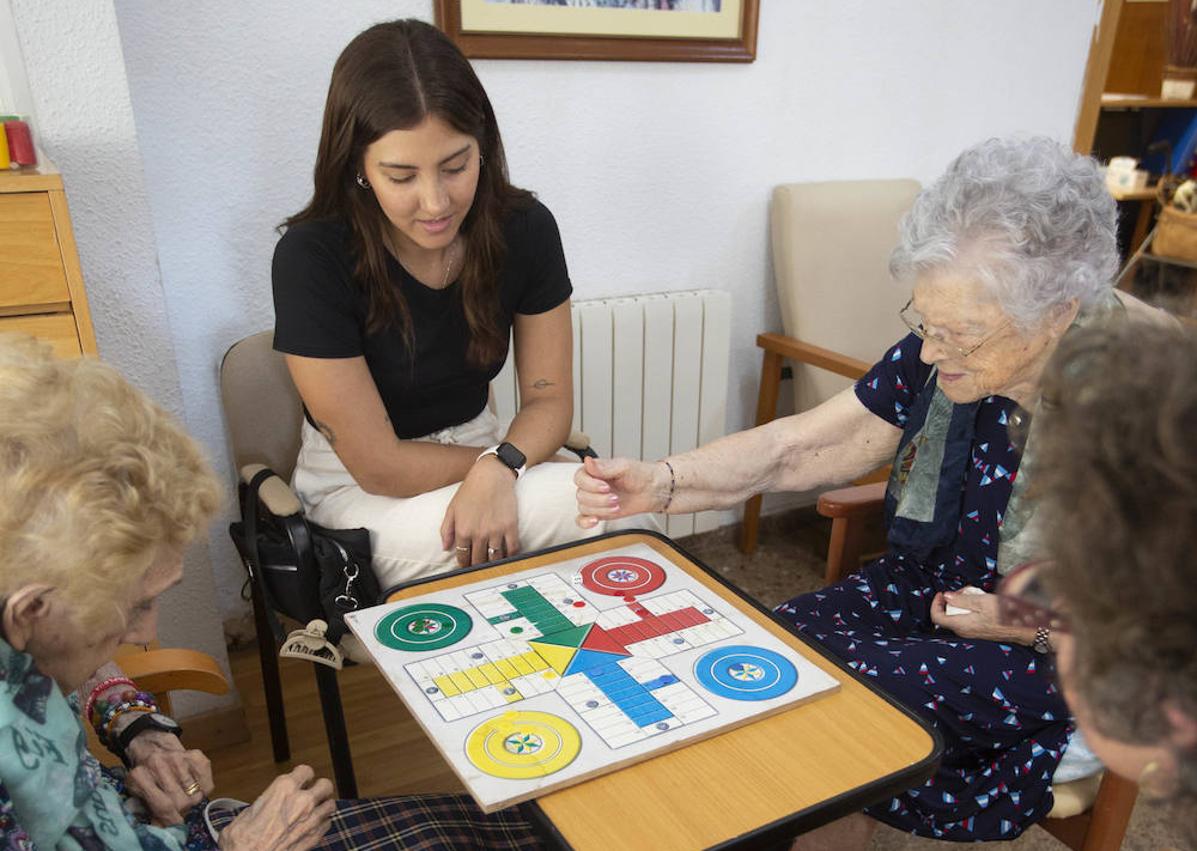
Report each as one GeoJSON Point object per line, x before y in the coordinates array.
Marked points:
{"type": "Point", "coordinates": [1004, 723]}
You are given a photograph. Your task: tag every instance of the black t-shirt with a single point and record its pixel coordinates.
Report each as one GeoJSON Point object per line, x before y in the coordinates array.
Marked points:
{"type": "Point", "coordinates": [320, 312]}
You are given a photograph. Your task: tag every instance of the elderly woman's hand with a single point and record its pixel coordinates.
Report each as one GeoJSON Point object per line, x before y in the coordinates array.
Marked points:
{"type": "Point", "coordinates": [619, 487]}
{"type": "Point", "coordinates": [162, 772]}
{"type": "Point", "coordinates": [981, 622]}
{"type": "Point", "coordinates": [293, 814]}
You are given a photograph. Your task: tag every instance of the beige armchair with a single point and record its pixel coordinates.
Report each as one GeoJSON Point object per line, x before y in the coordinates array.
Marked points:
{"type": "Point", "coordinates": [839, 307]}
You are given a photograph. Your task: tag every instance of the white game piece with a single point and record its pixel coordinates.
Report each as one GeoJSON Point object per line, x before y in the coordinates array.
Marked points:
{"type": "Point", "coordinates": [957, 610]}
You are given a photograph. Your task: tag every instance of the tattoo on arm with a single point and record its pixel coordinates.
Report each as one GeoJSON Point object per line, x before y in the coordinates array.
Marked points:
{"type": "Point", "coordinates": [543, 383]}
{"type": "Point", "coordinates": [326, 430]}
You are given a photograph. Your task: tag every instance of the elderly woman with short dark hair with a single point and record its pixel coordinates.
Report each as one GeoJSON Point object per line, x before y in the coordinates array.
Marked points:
{"type": "Point", "coordinates": [1011, 248]}
{"type": "Point", "coordinates": [1117, 468]}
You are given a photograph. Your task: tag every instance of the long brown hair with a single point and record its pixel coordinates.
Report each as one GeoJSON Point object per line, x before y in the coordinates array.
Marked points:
{"type": "Point", "coordinates": [392, 77]}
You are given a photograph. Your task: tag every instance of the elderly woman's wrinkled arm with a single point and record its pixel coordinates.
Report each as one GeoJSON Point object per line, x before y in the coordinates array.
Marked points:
{"type": "Point", "coordinates": [161, 770]}
{"type": "Point", "coordinates": [831, 444]}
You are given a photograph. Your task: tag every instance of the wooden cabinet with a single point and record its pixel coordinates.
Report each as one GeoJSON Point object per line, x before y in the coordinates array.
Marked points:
{"type": "Point", "coordinates": [41, 284]}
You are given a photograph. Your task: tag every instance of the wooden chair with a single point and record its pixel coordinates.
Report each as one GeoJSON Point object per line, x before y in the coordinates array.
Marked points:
{"type": "Point", "coordinates": [161, 671]}
{"type": "Point", "coordinates": [1090, 814]}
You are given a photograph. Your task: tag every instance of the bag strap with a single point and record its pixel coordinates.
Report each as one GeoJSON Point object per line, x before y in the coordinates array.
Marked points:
{"type": "Point", "coordinates": [249, 524]}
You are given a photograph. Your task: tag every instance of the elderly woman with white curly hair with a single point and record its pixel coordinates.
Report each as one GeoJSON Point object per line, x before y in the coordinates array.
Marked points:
{"type": "Point", "coordinates": [1007, 251]}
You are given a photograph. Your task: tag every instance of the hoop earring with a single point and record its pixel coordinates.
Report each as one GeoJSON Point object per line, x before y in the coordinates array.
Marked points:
{"type": "Point", "coordinates": [361, 181]}
{"type": "Point", "coordinates": [481, 161]}
{"type": "Point", "coordinates": [1155, 781]}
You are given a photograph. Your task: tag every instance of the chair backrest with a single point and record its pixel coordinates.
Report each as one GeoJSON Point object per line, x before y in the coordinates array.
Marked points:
{"type": "Point", "coordinates": [261, 406]}
{"type": "Point", "coordinates": [831, 246]}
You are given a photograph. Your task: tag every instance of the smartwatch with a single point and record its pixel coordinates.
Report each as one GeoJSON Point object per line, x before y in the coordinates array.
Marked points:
{"type": "Point", "coordinates": [511, 457]}
{"type": "Point", "coordinates": [144, 721]}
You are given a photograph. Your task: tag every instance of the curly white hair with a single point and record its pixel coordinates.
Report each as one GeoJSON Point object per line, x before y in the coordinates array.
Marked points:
{"type": "Point", "coordinates": [1029, 218]}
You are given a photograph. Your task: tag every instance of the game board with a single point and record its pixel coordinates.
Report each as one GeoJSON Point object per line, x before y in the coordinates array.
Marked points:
{"type": "Point", "coordinates": [539, 679]}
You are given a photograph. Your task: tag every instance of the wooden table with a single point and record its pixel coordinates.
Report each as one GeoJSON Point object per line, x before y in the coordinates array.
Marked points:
{"type": "Point", "coordinates": [749, 787]}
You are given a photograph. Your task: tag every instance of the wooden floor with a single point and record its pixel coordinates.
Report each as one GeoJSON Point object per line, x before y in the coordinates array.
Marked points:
{"type": "Point", "coordinates": [391, 754]}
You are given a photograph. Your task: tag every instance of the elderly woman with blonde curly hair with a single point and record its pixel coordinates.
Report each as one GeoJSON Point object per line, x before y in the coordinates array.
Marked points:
{"type": "Point", "coordinates": [99, 494]}
{"type": "Point", "coordinates": [1010, 249]}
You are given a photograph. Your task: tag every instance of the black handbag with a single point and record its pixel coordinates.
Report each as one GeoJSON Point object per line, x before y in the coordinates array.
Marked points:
{"type": "Point", "coordinates": [303, 569]}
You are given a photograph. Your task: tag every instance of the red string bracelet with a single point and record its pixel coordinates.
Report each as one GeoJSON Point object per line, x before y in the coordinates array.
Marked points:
{"type": "Point", "coordinates": [100, 689]}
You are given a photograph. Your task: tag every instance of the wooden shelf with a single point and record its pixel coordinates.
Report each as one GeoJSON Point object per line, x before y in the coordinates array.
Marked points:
{"type": "Point", "coordinates": [1147, 194]}
{"type": "Point", "coordinates": [1124, 102]}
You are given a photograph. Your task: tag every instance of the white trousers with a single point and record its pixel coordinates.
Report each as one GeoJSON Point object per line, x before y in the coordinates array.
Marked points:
{"type": "Point", "coordinates": [405, 533]}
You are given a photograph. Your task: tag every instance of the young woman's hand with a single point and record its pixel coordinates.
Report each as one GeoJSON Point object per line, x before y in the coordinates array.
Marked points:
{"type": "Point", "coordinates": [619, 487]}
{"type": "Point", "coordinates": [293, 814]}
{"type": "Point", "coordinates": [482, 521]}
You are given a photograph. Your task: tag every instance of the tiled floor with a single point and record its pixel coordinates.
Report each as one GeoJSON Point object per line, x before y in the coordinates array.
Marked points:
{"type": "Point", "coordinates": [788, 562]}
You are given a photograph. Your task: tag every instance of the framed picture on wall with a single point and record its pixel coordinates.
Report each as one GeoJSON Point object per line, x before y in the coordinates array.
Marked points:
{"type": "Point", "coordinates": [638, 30]}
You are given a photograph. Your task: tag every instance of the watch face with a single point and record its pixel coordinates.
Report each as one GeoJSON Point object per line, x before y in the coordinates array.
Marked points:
{"type": "Point", "coordinates": [511, 456]}
{"type": "Point", "coordinates": [163, 722]}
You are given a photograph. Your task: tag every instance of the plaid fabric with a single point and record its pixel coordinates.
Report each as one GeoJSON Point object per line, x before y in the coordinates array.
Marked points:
{"type": "Point", "coordinates": [418, 823]}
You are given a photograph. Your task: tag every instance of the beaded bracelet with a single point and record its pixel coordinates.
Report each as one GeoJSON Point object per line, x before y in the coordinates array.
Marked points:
{"type": "Point", "coordinates": [101, 705]}
{"type": "Point", "coordinates": [95, 693]}
{"type": "Point", "coordinates": [104, 731]}
{"type": "Point", "coordinates": [107, 739]}
{"type": "Point", "coordinates": [106, 708]}
{"type": "Point", "coordinates": [129, 702]}
{"type": "Point", "coordinates": [672, 484]}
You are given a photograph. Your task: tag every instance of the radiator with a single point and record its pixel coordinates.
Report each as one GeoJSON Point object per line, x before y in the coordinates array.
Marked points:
{"type": "Point", "coordinates": [650, 379]}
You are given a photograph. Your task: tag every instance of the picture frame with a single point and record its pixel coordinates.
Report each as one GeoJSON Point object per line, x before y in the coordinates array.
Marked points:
{"type": "Point", "coordinates": [486, 29]}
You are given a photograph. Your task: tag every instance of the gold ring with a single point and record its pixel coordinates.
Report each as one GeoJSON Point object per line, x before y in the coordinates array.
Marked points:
{"type": "Point", "coordinates": [462, 549]}
{"type": "Point", "coordinates": [192, 788]}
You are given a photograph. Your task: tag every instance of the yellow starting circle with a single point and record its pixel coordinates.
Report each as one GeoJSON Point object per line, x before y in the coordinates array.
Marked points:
{"type": "Point", "coordinates": [523, 745]}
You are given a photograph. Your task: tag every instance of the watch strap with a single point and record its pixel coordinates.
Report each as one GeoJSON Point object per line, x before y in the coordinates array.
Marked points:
{"type": "Point", "coordinates": [494, 450]}
{"type": "Point", "coordinates": [144, 721]}
{"type": "Point", "coordinates": [1042, 640]}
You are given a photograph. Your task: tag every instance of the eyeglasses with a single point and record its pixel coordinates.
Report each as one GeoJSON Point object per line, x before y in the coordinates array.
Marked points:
{"type": "Point", "coordinates": [1023, 599]}
{"type": "Point", "coordinates": [914, 322]}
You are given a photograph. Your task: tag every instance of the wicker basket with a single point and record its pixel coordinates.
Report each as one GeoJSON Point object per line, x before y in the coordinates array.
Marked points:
{"type": "Point", "coordinates": [1176, 234]}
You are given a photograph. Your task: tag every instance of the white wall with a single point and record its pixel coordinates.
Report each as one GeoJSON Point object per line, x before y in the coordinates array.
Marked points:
{"type": "Point", "coordinates": [73, 81]}
{"type": "Point", "coordinates": [659, 174]}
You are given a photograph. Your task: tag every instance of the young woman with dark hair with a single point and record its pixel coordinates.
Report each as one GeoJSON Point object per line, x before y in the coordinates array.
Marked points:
{"type": "Point", "coordinates": [396, 290]}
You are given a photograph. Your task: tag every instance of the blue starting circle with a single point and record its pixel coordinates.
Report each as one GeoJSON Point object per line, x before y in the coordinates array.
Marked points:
{"type": "Point", "coordinates": [744, 672]}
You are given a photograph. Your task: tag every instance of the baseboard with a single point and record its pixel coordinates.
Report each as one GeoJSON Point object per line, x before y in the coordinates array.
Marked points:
{"type": "Point", "coordinates": [215, 729]}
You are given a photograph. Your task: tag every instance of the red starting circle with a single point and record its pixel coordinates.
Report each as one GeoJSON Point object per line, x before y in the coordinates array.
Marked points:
{"type": "Point", "coordinates": [619, 576]}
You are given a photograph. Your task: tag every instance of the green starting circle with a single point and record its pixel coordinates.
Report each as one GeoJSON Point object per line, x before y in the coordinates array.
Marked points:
{"type": "Point", "coordinates": [423, 626]}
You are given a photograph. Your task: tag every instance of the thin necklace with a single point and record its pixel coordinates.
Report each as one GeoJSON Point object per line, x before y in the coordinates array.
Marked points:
{"type": "Point", "coordinates": [452, 255]}
{"type": "Point", "coordinates": [451, 258]}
